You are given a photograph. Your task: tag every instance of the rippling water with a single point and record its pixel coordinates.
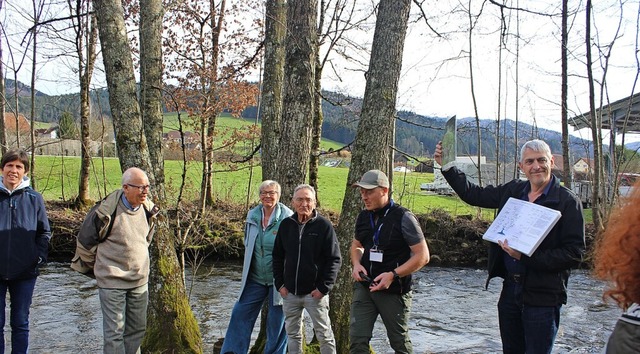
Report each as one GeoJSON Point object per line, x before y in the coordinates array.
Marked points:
{"type": "Point", "coordinates": [452, 313]}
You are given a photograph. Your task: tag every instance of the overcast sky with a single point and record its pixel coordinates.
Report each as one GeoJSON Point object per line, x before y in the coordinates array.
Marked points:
{"type": "Point", "coordinates": [435, 78]}
{"type": "Point", "coordinates": [435, 83]}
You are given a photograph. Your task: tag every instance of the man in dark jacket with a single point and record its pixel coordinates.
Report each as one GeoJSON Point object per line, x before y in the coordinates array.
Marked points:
{"type": "Point", "coordinates": [535, 287]}
{"type": "Point", "coordinates": [306, 260]}
{"type": "Point", "coordinates": [387, 249]}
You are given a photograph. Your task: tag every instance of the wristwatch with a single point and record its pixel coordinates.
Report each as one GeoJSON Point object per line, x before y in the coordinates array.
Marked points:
{"type": "Point", "coordinates": [395, 275]}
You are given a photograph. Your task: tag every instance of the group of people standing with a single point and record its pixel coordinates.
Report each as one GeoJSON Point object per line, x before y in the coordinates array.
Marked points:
{"type": "Point", "coordinates": [292, 259]}
{"type": "Point", "coordinates": [389, 246]}
{"type": "Point", "coordinates": [120, 266]}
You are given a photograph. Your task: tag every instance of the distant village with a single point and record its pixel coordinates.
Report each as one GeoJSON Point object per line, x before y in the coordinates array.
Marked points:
{"type": "Point", "coordinates": [48, 141]}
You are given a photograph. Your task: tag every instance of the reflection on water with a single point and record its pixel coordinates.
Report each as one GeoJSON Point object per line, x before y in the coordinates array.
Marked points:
{"type": "Point", "coordinates": [452, 313]}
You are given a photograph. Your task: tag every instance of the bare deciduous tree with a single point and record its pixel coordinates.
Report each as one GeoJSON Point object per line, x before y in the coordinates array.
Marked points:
{"type": "Point", "coordinates": [564, 91]}
{"type": "Point", "coordinates": [3, 95]}
{"type": "Point", "coordinates": [85, 26]}
{"type": "Point", "coordinates": [472, 22]}
{"type": "Point", "coordinates": [209, 61]}
{"type": "Point", "coordinates": [38, 8]}
{"type": "Point", "coordinates": [336, 19]}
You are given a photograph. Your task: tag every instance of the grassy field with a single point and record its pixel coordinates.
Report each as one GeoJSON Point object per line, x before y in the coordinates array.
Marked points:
{"type": "Point", "coordinates": [57, 179]}
{"type": "Point", "coordinates": [225, 124]}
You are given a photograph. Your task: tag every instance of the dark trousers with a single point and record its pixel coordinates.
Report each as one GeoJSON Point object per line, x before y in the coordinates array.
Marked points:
{"type": "Point", "coordinates": [524, 328]}
{"type": "Point", "coordinates": [20, 294]}
{"type": "Point", "coordinates": [624, 339]}
{"type": "Point", "coordinates": [394, 310]}
{"type": "Point", "coordinates": [243, 318]}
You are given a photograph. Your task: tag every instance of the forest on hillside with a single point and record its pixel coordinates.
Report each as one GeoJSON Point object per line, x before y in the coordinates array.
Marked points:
{"type": "Point", "coordinates": [416, 134]}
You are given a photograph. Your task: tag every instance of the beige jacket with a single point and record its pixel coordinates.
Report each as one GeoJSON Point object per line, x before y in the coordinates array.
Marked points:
{"type": "Point", "coordinates": [96, 226]}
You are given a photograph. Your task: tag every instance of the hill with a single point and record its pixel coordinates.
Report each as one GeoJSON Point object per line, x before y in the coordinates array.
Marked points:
{"type": "Point", "coordinates": [415, 134]}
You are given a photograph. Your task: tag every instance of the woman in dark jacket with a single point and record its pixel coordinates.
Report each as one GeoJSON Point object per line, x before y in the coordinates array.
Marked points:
{"type": "Point", "coordinates": [24, 242]}
{"type": "Point", "coordinates": [616, 260]}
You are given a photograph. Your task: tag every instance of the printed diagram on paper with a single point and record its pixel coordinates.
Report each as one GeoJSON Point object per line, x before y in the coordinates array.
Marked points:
{"type": "Point", "coordinates": [524, 225]}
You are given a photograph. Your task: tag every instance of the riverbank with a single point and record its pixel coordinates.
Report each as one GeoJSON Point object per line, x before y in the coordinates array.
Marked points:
{"type": "Point", "coordinates": [453, 241]}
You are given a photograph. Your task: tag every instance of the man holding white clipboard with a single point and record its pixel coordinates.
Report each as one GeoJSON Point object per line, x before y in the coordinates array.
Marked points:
{"type": "Point", "coordinates": [534, 287]}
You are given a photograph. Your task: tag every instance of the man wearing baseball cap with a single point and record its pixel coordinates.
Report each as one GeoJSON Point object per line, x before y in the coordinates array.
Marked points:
{"type": "Point", "coordinates": [388, 247]}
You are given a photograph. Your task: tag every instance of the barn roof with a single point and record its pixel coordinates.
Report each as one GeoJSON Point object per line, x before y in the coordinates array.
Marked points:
{"type": "Point", "coordinates": [621, 111]}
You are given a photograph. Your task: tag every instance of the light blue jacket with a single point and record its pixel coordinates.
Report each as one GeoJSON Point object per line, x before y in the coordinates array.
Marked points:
{"type": "Point", "coordinates": [252, 228]}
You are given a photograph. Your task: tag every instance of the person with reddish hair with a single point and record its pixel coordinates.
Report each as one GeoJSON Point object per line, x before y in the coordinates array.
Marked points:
{"type": "Point", "coordinates": [617, 258]}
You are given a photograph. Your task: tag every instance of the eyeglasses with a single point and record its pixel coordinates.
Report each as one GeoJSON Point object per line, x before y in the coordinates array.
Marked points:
{"type": "Point", "coordinates": [140, 188]}
{"type": "Point", "coordinates": [268, 193]}
{"type": "Point", "coordinates": [303, 200]}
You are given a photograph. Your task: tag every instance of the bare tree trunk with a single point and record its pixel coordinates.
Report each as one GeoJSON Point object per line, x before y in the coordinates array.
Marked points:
{"type": "Point", "coordinates": [372, 145]}
{"type": "Point", "coordinates": [127, 122]}
{"type": "Point", "coordinates": [316, 128]}
{"type": "Point", "coordinates": [217, 24]}
{"type": "Point", "coordinates": [16, 108]}
{"type": "Point", "coordinates": [272, 82]}
{"type": "Point", "coordinates": [499, 105]}
{"type": "Point", "coordinates": [516, 157]}
{"type": "Point", "coordinates": [566, 153]}
{"type": "Point", "coordinates": [151, 86]}
{"type": "Point", "coordinates": [87, 31]}
{"type": "Point", "coordinates": [473, 94]}
{"type": "Point", "coordinates": [37, 10]}
{"type": "Point", "coordinates": [316, 131]}
{"type": "Point", "coordinates": [3, 93]}
{"type": "Point", "coordinates": [596, 123]}
{"type": "Point", "coordinates": [299, 102]}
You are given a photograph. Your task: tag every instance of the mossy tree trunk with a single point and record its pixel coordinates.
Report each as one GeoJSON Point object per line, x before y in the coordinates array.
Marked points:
{"type": "Point", "coordinates": [87, 33]}
{"type": "Point", "coordinates": [172, 327]}
{"type": "Point", "coordinates": [151, 86]}
{"type": "Point", "coordinates": [271, 112]}
{"type": "Point", "coordinates": [372, 146]}
{"type": "Point", "coordinates": [121, 83]}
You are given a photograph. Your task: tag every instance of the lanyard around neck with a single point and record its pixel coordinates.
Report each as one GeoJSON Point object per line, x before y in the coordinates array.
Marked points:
{"type": "Point", "coordinates": [376, 233]}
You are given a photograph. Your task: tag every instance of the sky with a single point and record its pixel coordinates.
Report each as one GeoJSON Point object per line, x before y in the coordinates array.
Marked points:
{"type": "Point", "coordinates": [436, 69]}
{"type": "Point", "coordinates": [435, 83]}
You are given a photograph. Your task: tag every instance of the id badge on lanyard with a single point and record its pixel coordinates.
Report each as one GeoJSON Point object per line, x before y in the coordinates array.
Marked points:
{"type": "Point", "coordinates": [375, 254]}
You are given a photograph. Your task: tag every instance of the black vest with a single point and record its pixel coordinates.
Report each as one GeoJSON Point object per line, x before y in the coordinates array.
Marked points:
{"type": "Point", "coordinates": [390, 241]}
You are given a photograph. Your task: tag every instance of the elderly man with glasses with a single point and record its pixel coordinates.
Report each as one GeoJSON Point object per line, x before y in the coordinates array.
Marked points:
{"type": "Point", "coordinates": [118, 233]}
{"type": "Point", "coordinates": [306, 260]}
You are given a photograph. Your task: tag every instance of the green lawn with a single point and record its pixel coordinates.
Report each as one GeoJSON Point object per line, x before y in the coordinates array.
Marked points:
{"type": "Point", "coordinates": [57, 179]}
{"type": "Point", "coordinates": [226, 124]}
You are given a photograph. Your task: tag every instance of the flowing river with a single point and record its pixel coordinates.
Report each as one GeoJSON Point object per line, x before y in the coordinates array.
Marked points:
{"type": "Point", "coordinates": [452, 313]}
